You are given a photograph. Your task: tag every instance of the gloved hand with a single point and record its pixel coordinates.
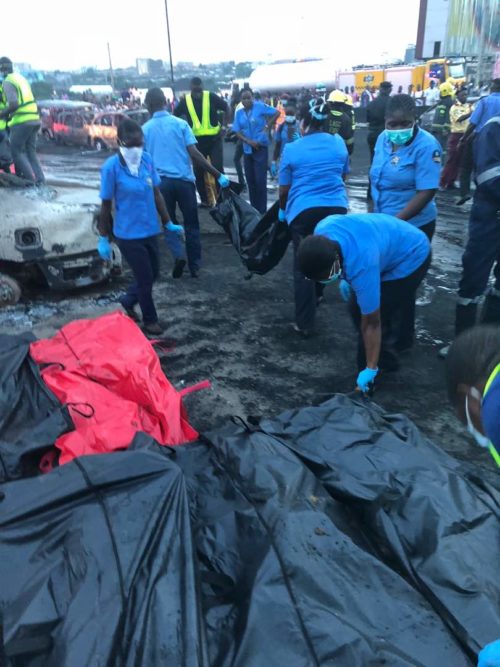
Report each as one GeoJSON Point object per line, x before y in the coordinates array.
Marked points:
{"type": "Point", "coordinates": [490, 655]}
{"type": "Point", "coordinates": [223, 181]}
{"type": "Point", "coordinates": [104, 249]}
{"type": "Point", "coordinates": [296, 135]}
{"type": "Point", "coordinates": [282, 215]}
{"type": "Point", "coordinates": [365, 378]}
{"type": "Point", "coordinates": [274, 169]}
{"type": "Point", "coordinates": [345, 290]}
{"type": "Point", "coordinates": [177, 229]}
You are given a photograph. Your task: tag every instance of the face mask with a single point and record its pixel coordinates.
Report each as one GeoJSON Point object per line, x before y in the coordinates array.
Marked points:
{"type": "Point", "coordinates": [480, 439]}
{"type": "Point", "coordinates": [334, 276]}
{"type": "Point", "coordinates": [290, 119]}
{"type": "Point", "coordinates": [132, 157]}
{"type": "Point", "coordinates": [399, 137]}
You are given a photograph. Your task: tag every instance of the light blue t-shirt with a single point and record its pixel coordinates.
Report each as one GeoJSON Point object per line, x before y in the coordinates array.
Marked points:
{"type": "Point", "coordinates": [396, 176]}
{"type": "Point", "coordinates": [135, 210]}
{"type": "Point", "coordinates": [252, 123]}
{"type": "Point", "coordinates": [313, 166]}
{"type": "Point", "coordinates": [490, 413]}
{"type": "Point", "coordinates": [375, 248]}
{"type": "Point", "coordinates": [167, 138]}
{"type": "Point", "coordinates": [486, 108]}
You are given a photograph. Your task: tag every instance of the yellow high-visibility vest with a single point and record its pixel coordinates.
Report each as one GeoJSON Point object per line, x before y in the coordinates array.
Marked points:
{"type": "Point", "coordinates": [27, 109]}
{"type": "Point", "coordinates": [201, 128]}
{"type": "Point", "coordinates": [3, 106]}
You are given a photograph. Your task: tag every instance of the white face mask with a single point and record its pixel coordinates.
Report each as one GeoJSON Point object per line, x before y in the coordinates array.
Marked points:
{"type": "Point", "coordinates": [481, 439]}
{"type": "Point", "coordinates": [132, 157]}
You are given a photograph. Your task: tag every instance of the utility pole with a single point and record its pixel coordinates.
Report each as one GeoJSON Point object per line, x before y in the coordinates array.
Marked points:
{"type": "Point", "coordinates": [169, 43]}
{"type": "Point", "coordinates": [111, 73]}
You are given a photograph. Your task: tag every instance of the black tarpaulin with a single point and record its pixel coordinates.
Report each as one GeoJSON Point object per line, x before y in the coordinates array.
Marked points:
{"type": "Point", "coordinates": [260, 240]}
{"type": "Point", "coordinates": [330, 535]}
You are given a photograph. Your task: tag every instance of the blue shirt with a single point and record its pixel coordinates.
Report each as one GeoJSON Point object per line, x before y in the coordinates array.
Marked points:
{"type": "Point", "coordinates": [287, 133]}
{"type": "Point", "coordinates": [486, 108]}
{"type": "Point", "coordinates": [313, 166]}
{"type": "Point", "coordinates": [396, 176]}
{"type": "Point", "coordinates": [135, 210]}
{"type": "Point", "coordinates": [375, 248]}
{"type": "Point", "coordinates": [490, 413]}
{"type": "Point", "coordinates": [167, 138]}
{"type": "Point", "coordinates": [252, 123]}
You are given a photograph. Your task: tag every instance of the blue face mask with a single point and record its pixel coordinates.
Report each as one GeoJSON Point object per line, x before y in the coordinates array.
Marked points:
{"type": "Point", "coordinates": [399, 137]}
{"type": "Point", "coordinates": [290, 119]}
{"type": "Point", "coordinates": [334, 275]}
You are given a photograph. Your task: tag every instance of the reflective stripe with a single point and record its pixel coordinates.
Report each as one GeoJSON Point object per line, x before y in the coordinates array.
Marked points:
{"type": "Point", "coordinates": [491, 379]}
{"type": "Point", "coordinates": [27, 109]}
{"type": "Point", "coordinates": [203, 127]}
{"type": "Point", "coordinates": [463, 301]}
{"type": "Point", "coordinates": [488, 175]}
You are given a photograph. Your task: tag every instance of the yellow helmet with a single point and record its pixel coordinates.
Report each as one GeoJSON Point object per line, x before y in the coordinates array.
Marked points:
{"type": "Point", "coordinates": [337, 96]}
{"type": "Point", "coordinates": [446, 89]}
{"type": "Point", "coordinates": [348, 100]}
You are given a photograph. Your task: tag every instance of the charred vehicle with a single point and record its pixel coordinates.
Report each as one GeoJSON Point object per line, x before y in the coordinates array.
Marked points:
{"type": "Point", "coordinates": [50, 242]}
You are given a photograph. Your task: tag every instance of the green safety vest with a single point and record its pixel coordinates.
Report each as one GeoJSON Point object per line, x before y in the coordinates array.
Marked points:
{"type": "Point", "coordinates": [496, 372]}
{"type": "Point", "coordinates": [27, 109]}
{"type": "Point", "coordinates": [201, 128]}
{"type": "Point", "coordinates": [3, 106]}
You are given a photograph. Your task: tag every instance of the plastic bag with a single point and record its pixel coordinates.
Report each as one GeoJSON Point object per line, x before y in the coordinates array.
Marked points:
{"type": "Point", "coordinates": [261, 241]}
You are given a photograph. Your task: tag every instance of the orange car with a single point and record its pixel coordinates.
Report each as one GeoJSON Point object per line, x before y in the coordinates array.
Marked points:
{"type": "Point", "coordinates": [103, 129]}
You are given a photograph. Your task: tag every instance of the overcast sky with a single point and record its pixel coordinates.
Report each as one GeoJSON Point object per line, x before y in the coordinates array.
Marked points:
{"type": "Point", "coordinates": [66, 34]}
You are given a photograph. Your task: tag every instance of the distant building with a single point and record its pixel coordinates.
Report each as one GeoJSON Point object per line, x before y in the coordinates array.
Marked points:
{"type": "Point", "coordinates": [410, 54]}
{"type": "Point", "coordinates": [458, 28]}
{"type": "Point", "coordinates": [147, 66]}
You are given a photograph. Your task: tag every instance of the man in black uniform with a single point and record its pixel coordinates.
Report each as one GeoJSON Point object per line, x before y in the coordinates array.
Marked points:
{"type": "Point", "coordinates": [376, 115]}
{"type": "Point", "coordinates": [340, 118]}
{"type": "Point", "coordinates": [202, 110]}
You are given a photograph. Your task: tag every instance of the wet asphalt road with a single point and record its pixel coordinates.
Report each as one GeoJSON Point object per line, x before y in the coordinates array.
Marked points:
{"type": "Point", "coordinates": [236, 332]}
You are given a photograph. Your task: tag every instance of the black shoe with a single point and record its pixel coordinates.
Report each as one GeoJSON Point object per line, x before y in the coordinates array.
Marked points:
{"type": "Point", "coordinates": [178, 269]}
{"type": "Point", "coordinates": [319, 300]}
{"type": "Point", "coordinates": [194, 274]}
{"type": "Point", "coordinates": [303, 333]}
{"type": "Point", "coordinates": [462, 200]}
{"type": "Point", "coordinates": [153, 328]}
{"type": "Point", "coordinates": [132, 313]}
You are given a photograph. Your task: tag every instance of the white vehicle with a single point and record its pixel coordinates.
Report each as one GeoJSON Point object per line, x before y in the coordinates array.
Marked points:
{"type": "Point", "coordinates": [294, 76]}
{"type": "Point", "coordinates": [48, 241]}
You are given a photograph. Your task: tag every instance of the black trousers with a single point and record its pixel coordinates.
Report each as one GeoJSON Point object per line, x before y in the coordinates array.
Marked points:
{"type": "Point", "coordinates": [395, 295]}
{"type": "Point", "coordinates": [238, 160]}
{"type": "Point", "coordinates": [307, 291]}
{"type": "Point", "coordinates": [209, 147]}
{"type": "Point", "coordinates": [405, 326]}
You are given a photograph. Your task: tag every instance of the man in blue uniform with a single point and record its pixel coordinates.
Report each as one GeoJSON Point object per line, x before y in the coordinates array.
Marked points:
{"type": "Point", "coordinates": [380, 262]}
{"type": "Point", "coordinates": [252, 124]}
{"type": "Point", "coordinates": [482, 251]}
{"type": "Point", "coordinates": [172, 145]}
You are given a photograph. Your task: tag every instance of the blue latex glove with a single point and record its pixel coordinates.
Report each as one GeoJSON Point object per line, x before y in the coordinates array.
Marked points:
{"type": "Point", "coordinates": [273, 169]}
{"type": "Point", "coordinates": [365, 378]}
{"type": "Point", "coordinates": [345, 290]}
{"type": "Point", "coordinates": [223, 181]}
{"type": "Point", "coordinates": [104, 249]}
{"type": "Point", "coordinates": [282, 215]}
{"type": "Point", "coordinates": [177, 229]}
{"type": "Point", "coordinates": [490, 655]}
{"type": "Point", "coordinates": [296, 135]}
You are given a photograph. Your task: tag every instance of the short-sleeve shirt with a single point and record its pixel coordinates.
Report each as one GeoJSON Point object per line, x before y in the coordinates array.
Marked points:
{"type": "Point", "coordinates": [167, 139]}
{"type": "Point", "coordinates": [286, 133]}
{"type": "Point", "coordinates": [486, 108]}
{"type": "Point", "coordinates": [396, 176]}
{"type": "Point", "coordinates": [252, 123]}
{"type": "Point", "coordinates": [375, 248]}
{"type": "Point", "coordinates": [490, 413]}
{"type": "Point", "coordinates": [313, 167]}
{"type": "Point", "coordinates": [135, 210]}
{"type": "Point", "coordinates": [217, 105]}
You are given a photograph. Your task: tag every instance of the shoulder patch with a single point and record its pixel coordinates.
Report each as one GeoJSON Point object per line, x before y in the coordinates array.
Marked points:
{"type": "Point", "coordinates": [436, 156]}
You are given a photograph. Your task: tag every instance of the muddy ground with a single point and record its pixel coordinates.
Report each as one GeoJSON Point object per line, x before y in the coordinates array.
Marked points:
{"type": "Point", "coordinates": [236, 332]}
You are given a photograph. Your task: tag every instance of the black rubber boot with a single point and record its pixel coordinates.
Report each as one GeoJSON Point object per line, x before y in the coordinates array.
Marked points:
{"type": "Point", "coordinates": [465, 317]}
{"type": "Point", "coordinates": [491, 310]}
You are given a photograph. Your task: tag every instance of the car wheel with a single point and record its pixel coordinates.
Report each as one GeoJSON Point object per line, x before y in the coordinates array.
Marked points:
{"type": "Point", "coordinates": [10, 291]}
{"type": "Point", "coordinates": [99, 145]}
